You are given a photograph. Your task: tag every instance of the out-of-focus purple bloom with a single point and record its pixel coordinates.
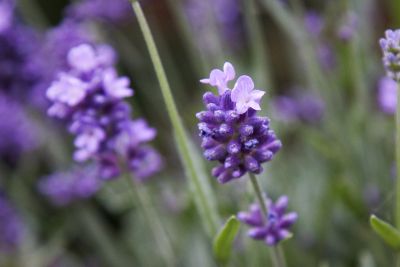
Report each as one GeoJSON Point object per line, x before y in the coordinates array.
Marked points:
{"type": "Point", "coordinates": [391, 53]}
{"type": "Point", "coordinates": [18, 134]}
{"type": "Point", "coordinates": [227, 15]}
{"type": "Point", "coordinates": [313, 23]}
{"type": "Point", "coordinates": [64, 187]}
{"type": "Point", "coordinates": [221, 78]}
{"type": "Point", "coordinates": [12, 227]}
{"type": "Point", "coordinates": [307, 108]}
{"type": "Point", "coordinates": [6, 14]}
{"type": "Point", "coordinates": [326, 56]}
{"type": "Point", "coordinates": [273, 229]}
{"type": "Point", "coordinates": [387, 95]}
{"type": "Point", "coordinates": [348, 28]}
{"type": "Point", "coordinates": [89, 96]}
{"type": "Point", "coordinates": [233, 134]}
{"type": "Point", "coordinates": [110, 11]}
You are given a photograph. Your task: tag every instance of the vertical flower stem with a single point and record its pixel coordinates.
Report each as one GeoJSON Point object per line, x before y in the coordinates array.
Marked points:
{"type": "Point", "coordinates": [138, 192]}
{"type": "Point", "coordinates": [277, 256]}
{"type": "Point", "coordinates": [203, 200]}
{"type": "Point", "coordinates": [397, 206]}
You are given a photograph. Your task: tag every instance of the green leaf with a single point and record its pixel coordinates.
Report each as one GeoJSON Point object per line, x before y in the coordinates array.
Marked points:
{"type": "Point", "coordinates": [224, 240]}
{"type": "Point", "coordinates": [386, 231]}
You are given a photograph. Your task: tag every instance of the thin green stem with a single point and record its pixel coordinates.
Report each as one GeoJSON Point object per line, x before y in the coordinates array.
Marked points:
{"type": "Point", "coordinates": [200, 187]}
{"type": "Point", "coordinates": [277, 255]}
{"type": "Point", "coordinates": [397, 211]}
{"type": "Point", "coordinates": [140, 194]}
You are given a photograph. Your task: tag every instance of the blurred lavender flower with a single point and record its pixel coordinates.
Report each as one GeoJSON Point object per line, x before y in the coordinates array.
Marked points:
{"type": "Point", "coordinates": [313, 23]}
{"type": "Point", "coordinates": [6, 14]}
{"type": "Point", "coordinates": [63, 188]}
{"type": "Point", "coordinates": [89, 97]}
{"type": "Point", "coordinates": [391, 53]}
{"type": "Point", "coordinates": [387, 95]}
{"type": "Point", "coordinates": [18, 134]}
{"type": "Point", "coordinates": [227, 16]}
{"type": "Point", "coordinates": [273, 229]}
{"type": "Point", "coordinates": [110, 11]}
{"type": "Point", "coordinates": [232, 132]}
{"type": "Point", "coordinates": [306, 108]}
{"type": "Point", "coordinates": [11, 226]}
{"type": "Point", "coordinates": [348, 27]}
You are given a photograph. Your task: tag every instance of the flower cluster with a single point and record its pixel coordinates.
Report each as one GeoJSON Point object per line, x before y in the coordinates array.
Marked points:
{"type": "Point", "coordinates": [391, 53]}
{"type": "Point", "coordinates": [306, 108]}
{"type": "Point", "coordinates": [387, 95]}
{"type": "Point", "coordinates": [232, 132]}
{"type": "Point", "coordinates": [11, 226]}
{"type": "Point", "coordinates": [90, 98]}
{"type": "Point", "coordinates": [64, 187]}
{"type": "Point", "coordinates": [273, 229]}
{"type": "Point", "coordinates": [18, 133]}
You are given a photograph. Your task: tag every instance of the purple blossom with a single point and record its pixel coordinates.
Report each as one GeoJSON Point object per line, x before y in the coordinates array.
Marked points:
{"type": "Point", "coordinates": [233, 134]}
{"type": "Point", "coordinates": [348, 27]}
{"type": "Point", "coordinates": [18, 134]}
{"type": "Point", "coordinates": [273, 229]}
{"type": "Point", "coordinates": [387, 95]}
{"type": "Point", "coordinates": [64, 187]}
{"type": "Point", "coordinates": [6, 14]}
{"type": "Point", "coordinates": [89, 96]}
{"type": "Point", "coordinates": [391, 53]}
{"type": "Point", "coordinates": [221, 78]}
{"type": "Point", "coordinates": [109, 11]}
{"type": "Point", "coordinates": [305, 108]}
{"type": "Point", "coordinates": [12, 227]}
{"type": "Point", "coordinates": [313, 23]}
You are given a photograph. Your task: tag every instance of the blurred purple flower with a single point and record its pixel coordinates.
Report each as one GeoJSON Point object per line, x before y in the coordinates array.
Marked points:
{"type": "Point", "coordinates": [114, 11]}
{"type": "Point", "coordinates": [314, 23]}
{"type": "Point", "coordinates": [307, 108]}
{"type": "Point", "coordinates": [348, 27]}
{"type": "Point", "coordinates": [233, 134]}
{"type": "Point", "coordinates": [63, 188]}
{"type": "Point", "coordinates": [11, 226]}
{"type": "Point", "coordinates": [18, 134]}
{"type": "Point", "coordinates": [89, 96]}
{"type": "Point", "coordinates": [391, 53]}
{"type": "Point", "coordinates": [6, 14]}
{"type": "Point", "coordinates": [273, 229]}
{"type": "Point", "coordinates": [326, 56]}
{"type": "Point", "coordinates": [387, 95]}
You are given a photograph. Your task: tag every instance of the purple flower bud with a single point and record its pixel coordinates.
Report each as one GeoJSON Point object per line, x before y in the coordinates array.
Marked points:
{"type": "Point", "coordinates": [273, 229]}
{"type": "Point", "coordinates": [387, 95]}
{"type": "Point", "coordinates": [391, 53]}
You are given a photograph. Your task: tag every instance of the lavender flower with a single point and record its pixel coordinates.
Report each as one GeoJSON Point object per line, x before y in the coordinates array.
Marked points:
{"type": "Point", "coordinates": [11, 226]}
{"type": "Point", "coordinates": [348, 28]}
{"type": "Point", "coordinates": [63, 188]}
{"type": "Point", "coordinates": [232, 132]}
{"type": "Point", "coordinates": [387, 95]}
{"type": "Point", "coordinates": [6, 14]}
{"type": "Point", "coordinates": [110, 11]}
{"type": "Point", "coordinates": [305, 108]}
{"type": "Point", "coordinates": [89, 97]}
{"type": "Point", "coordinates": [391, 53]}
{"type": "Point", "coordinates": [273, 229]}
{"type": "Point", "coordinates": [18, 134]}
{"type": "Point", "coordinates": [314, 23]}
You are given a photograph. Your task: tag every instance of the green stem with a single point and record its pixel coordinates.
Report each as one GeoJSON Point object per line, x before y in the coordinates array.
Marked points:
{"type": "Point", "coordinates": [203, 201]}
{"type": "Point", "coordinates": [397, 206]}
{"type": "Point", "coordinates": [277, 256]}
{"type": "Point", "coordinates": [140, 194]}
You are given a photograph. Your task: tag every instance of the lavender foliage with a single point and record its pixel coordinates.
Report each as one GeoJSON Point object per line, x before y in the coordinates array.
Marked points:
{"type": "Point", "coordinates": [273, 229]}
{"type": "Point", "coordinates": [232, 133]}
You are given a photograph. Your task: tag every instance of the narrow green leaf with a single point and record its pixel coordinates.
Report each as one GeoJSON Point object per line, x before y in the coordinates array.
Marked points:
{"type": "Point", "coordinates": [224, 240]}
{"type": "Point", "coordinates": [386, 231]}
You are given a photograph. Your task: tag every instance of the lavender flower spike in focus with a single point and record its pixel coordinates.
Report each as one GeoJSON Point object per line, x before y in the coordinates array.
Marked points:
{"type": "Point", "coordinates": [232, 132]}
{"type": "Point", "coordinates": [273, 229]}
{"type": "Point", "coordinates": [391, 53]}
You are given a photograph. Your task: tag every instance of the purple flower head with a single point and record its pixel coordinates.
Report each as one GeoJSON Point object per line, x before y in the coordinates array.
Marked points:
{"type": "Point", "coordinates": [18, 134]}
{"type": "Point", "coordinates": [391, 53]}
{"type": "Point", "coordinates": [305, 108]}
{"type": "Point", "coordinates": [348, 28]}
{"type": "Point", "coordinates": [221, 78]}
{"type": "Point", "coordinates": [313, 23]}
{"type": "Point", "coordinates": [63, 188]}
{"type": "Point", "coordinates": [6, 14]}
{"type": "Point", "coordinates": [233, 134]}
{"type": "Point", "coordinates": [89, 96]}
{"type": "Point", "coordinates": [273, 229]}
{"type": "Point", "coordinates": [387, 95]}
{"type": "Point", "coordinates": [12, 227]}
{"type": "Point", "coordinates": [109, 11]}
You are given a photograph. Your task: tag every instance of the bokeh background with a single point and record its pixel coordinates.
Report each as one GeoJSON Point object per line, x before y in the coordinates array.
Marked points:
{"type": "Point", "coordinates": [320, 65]}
